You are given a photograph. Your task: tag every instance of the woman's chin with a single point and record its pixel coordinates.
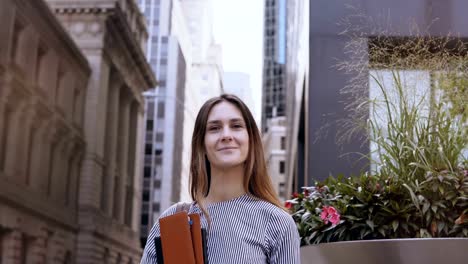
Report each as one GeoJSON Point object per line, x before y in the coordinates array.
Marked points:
{"type": "Point", "coordinates": [228, 164]}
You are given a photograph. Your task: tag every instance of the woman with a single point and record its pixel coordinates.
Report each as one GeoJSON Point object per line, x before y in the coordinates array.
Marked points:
{"type": "Point", "coordinates": [232, 191]}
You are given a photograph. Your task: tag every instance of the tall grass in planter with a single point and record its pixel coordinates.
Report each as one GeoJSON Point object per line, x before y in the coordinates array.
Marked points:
{"type": "Point", "coordinates": [419, 185]}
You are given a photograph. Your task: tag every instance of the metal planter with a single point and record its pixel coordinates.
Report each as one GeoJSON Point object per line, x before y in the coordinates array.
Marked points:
{"type": "Point", "coordinates": [389, 251]}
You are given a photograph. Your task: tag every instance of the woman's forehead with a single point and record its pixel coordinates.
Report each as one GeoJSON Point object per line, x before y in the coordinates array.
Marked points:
{"type": "Point", "coordinates": [225, 111]}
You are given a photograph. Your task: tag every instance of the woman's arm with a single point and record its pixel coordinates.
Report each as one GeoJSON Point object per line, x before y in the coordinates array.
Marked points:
{"type": "Point", "coordinates": [284, 240]}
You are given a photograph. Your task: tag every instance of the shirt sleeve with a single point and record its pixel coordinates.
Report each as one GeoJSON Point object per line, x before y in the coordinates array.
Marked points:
{"type": "Point", "coordinates": [284, 240]}
{"type": "Point", "coordinates": [149, 253]}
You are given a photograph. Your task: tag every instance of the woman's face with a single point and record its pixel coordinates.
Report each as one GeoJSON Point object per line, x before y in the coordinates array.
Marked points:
{"type": "Point", "coordinates": [226, 137]}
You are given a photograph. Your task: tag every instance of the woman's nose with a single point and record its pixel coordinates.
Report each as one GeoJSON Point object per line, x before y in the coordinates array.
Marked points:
{"type": "Point", "coordinates": [226, 134]}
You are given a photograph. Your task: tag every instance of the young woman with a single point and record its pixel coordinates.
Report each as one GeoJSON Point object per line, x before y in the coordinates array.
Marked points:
{"type": "Point", "coordinates": [232, 191]}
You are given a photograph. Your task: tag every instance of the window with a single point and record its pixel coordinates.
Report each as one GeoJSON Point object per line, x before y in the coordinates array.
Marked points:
{"type": "Point", "coordinates": [41, 52]}
{"type": "Point", "coordinates": [149, 125]}
{"type": "Point", "coordinates": [282, 167]}
{"type": "Point", "coordinates": [144, 219]}
{"type": "Point", "coordinates": [17, 30]}
{"type": "Point", "coordinates": [281, 189]}
{"type": "Point", "coordinates": [157, 183]}
{"type": "Point", "coordinates": [160, 109]}
{"type": "Point", "coordinates": [159, 137]}
{"type": "Point", "coordinates": [283, 142]}
{"type": "Point", "coordinates": [67, 258]}
{"type": "Point", "coordinates": [158, 160]}
{"type": "Point", "coordinates": [146, 196]}
{"type": "Point", "coordinates": [156, 207]}
{"type": "Point", "coordinates": [147, 172]}
{"type": "Point", "coordinates": [148, 149]}
{"type": "Point", "coordinates": [158, 152]}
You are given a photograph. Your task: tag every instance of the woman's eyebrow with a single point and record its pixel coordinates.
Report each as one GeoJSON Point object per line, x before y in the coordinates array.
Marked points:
{"type": "Point", "coordinates": [230, 120]}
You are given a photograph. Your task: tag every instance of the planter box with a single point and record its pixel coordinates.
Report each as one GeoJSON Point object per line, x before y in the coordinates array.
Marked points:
{"type": "Point", "coordinates": [389, 251]}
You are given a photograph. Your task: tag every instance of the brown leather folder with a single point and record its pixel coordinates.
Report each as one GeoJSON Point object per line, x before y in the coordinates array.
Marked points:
{"type": "Point", "coordinates": [182, 239]}
{"type": "Point", "coordinates": [176, 239]}
{"type": "Point", "coordinates": [197, 241]}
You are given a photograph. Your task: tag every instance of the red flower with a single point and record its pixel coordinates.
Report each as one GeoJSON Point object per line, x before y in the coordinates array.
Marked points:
{"type": "Point", "coordinates": [295, 195]}
{"type": "Point", "coordinates": [306, 192]}
{"type": "Point", "coordinates": [288, 205]}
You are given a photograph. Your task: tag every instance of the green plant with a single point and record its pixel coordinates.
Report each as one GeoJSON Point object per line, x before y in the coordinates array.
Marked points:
{"type": "Point", "coordinates": [379, 207]}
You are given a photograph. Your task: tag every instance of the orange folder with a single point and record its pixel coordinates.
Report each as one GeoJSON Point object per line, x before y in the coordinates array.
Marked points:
{"type": "Point", "coordinates": [181, 239]}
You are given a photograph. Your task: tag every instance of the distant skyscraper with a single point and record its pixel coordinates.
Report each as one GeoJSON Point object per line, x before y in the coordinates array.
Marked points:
{"type": "Point", "coordinates": [168, 46]}
{"type": "Point", "coordinates": [274, 59]}
{"type": "Point", "coordinates": [238, 83]}
{"type": "Point", "coordinates": [188, 67]}
{"type": "Point", "coordinates": [206, 75]}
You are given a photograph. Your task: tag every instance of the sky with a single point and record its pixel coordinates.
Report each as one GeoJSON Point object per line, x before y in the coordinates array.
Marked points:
{"type": "Point", "coordinates": [238, 27]}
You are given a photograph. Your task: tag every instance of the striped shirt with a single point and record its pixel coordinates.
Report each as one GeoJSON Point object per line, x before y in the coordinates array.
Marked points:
{"type": "Point", "coordinates": [243, 230]}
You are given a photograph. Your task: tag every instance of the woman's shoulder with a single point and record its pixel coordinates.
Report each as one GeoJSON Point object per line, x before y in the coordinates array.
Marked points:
{"type": "Point", "coordinates": [279, 223]}
{"type": "Point", "coordinates": [180, 206]}
{"type": "Point", "coordinates": [273, 212]}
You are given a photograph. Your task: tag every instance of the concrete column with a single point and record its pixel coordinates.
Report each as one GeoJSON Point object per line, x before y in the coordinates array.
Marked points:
{"type": "Point", "coordinates": [122, 154]}
{"type": "Point", "coordinates": [138, 168]}
{"type": "Point", "coordinates": [3, 126]}
{"type": "Point", "coordinates": [132, 133]}
{"type": "Point", "coordinates": [94, 128]}
{"type": "Point", "coordinates": [110, 152]}
{"type": "Point", "coordinates": [13, 247]}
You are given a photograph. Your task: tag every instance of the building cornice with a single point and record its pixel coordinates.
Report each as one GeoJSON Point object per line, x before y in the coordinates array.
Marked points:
{"type": "Point", "coordinates": [77, 57]}
{"type": "Point", "coordinates": [128, 22]}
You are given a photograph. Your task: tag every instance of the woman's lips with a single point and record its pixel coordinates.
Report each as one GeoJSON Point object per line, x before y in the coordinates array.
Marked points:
{"type": "Point", "coordinates": [226, 148]}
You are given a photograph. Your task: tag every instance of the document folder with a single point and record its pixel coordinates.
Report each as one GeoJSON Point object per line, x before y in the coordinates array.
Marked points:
{"type": "Point", "coordinates": [182, 240]}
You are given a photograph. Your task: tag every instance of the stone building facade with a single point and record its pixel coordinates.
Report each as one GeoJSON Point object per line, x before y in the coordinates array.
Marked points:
{"type": "Point", "coordinates": [112, 35]}
{"type": "Point", "coordinates": [43, 81]}
{"type": "Point", "coordinates": [71, 110]}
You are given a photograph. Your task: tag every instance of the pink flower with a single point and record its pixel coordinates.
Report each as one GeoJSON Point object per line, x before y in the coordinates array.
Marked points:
{"type": "Point", "coordinates": [330, 214]}
{"type": "Point", "coordinates": [324, 216]}
{"type": "Point", "coordinates": [335, 219]}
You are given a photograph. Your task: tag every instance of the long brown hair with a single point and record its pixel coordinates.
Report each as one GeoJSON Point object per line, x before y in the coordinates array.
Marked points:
{"type": "Point", "coordinates": [257, 182]}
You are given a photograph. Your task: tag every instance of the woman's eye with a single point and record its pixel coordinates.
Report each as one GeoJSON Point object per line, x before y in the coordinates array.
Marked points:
{"type": "Point", "coordinates": [237, 126]}
{"type": "Point", "coordinates": [213, 128]}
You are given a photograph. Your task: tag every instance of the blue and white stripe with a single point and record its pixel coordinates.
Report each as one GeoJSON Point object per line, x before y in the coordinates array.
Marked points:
{"type": "Point", "coordinates": [243, 230]}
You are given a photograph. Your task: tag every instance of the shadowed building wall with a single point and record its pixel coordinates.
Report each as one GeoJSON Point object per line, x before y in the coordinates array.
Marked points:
{"type": "Point", "coordinates": [43, 81]}
{"type": "Point", "coordinates": [325, 102]}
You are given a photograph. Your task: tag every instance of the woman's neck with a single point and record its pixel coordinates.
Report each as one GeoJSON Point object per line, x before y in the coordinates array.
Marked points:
{"type": "Point", "coordinates": [226, 184]}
